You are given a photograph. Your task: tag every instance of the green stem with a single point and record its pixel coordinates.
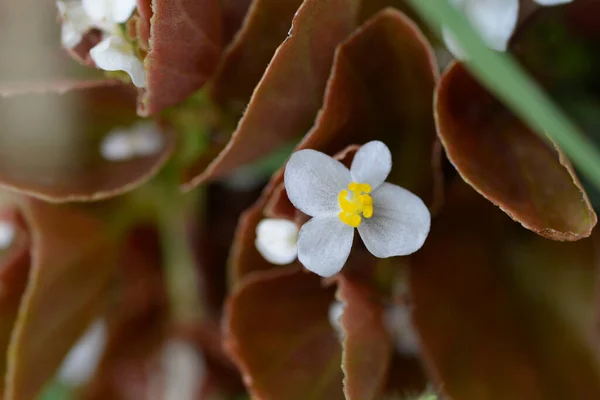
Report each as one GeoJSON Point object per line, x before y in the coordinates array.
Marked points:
{"type": "Point", "coordinates": [502, 75]}
{"type": "Point", "coordinates": [180, 268]}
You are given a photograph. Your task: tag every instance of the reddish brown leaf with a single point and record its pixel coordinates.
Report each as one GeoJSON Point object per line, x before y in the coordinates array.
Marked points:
{"type": "Point", "coordinates": [279, 205]}
{"type": "Point", "coordinates": [245, 60]}
{"type": "Point", "coordinates": [56, 155]}
{"type": "Point", "coordinates": [388, 98]}
{"type": "Point", "coordinates": [14, 270]}
{"type": "Point", "coordinates": [72, 264]}
{"type": "Point", "coordinates": [137, 321]}
{"type": "Point", "coordinates": [185, 46]}
{"type": "Point", "coordinates": [278, 333]}
{"type": "Point", "coordinates": [368, 101]}
{"type": "Point", "coordinates": [507, 163]}
{"type": "Point", "coordinates": [290, 93]}
{"type": "Point", "coordinates": [503, 313]}
{"type": "Point", "coordinates": [367, 346]}
{"type": "Point", "coordinates": [233, 12]}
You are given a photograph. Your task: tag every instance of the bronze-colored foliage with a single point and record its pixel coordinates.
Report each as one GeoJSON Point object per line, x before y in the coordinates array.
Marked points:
{"type": "Point", "coordinates": [137, 316]}
{"type": "Point", "coordinates": [234, 12]}
{"type": "Point", "coordinates": [529, 179]}
{"type": "Point", "coordinates": [72, 263]}
{"type": "Point", "coordinates": [367, 347]}
{"type": "Point", "coordinates": [501, 158]}
{"type": "Point", "coordinates": [244, 61]}
{"type": "Point", "coordinates": [501, 312]}
{"type": "Point", "coordinates": [56, 155]}
{"type": "Point", "coordinates": [381, 88]}
{"type": "Point", "coordinates": [290, 92]}
{"type": "Point", "coordinates": [185, 46]}
{"type": "Point", "coordinates": [278, 333]}
{"type": "Point", "coordinates": [361, 105]}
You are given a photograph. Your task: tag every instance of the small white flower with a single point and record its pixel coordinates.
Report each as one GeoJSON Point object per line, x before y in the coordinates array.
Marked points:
{"type": "Point", "coordinates": [391, 220]}
{"type": "Point", "coordinates": [82, 360]}
{"type": "Point", "coordinates": [336, 311]}
{"type": "Point", "coordinates": [7, 234]}
{"type": "Point", "coordinates": [276, 240]}
{"type": "Point", "coordinates": [113, 53]}
{"type": "Point", "coordinates": [495, 20]}
{"type": "Point", "coordinates": [141, 140]}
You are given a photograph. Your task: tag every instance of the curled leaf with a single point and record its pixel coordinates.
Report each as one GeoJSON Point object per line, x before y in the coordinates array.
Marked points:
{"type": "Point", "coordinates": [246, 58]}
{"type": "Point", "coordinates": [290, 92]}
{"type": "Point", "coordinates": [367, 348]}
{"type": "Point", "coordinates": [511, 166]}
{"type": "Point", "coordinates": [57, 155]}
{"type": "Point", "coordinates": [185, 46]}
{"type": "Point", "coordinates": [72, 264]}
{"type": "Point", "coordinates": [278, 333]}
{"type": "Point", "coordinates": [136, 320]}
{"type": "Point", "coordinates": [372, 101]}
{"type": "Point", "coordinates": [388, 98]}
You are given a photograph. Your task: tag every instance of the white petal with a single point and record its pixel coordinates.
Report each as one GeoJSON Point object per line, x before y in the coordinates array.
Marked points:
{"type": "Point", "coordinates": [146, 139]}
{"type": "Point", "coordinates": [324, 245]}
{"type": "Point", "coordinates": [115, 54]}
{"type": "Point", "coordinates": [7, 234]}
{"type": "Point", "coordinates": [372, 164]}
{"type": "Point", "coordinates": [115, 11]}
{"type": "Point", "coordinates": [117, 146]}
{"type": "Point", "coordinates": [552, 2]}
{"type": "Point", "coordinates": [82, 360]}
{"type": "Point", "coordinates": [75, 23]}
{"type": "Point", "coordinates": [313, 182]}
{"type": "Point", "coordinates": [277, 240]}
{"type": "Point", "coordinates": [495, 20]}
{"type": "Point", "coordinates": [399, 225]}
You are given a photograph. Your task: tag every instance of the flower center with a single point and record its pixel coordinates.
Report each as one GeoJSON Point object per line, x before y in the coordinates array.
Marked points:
{"type": "Point", "coordinates": [355, 203]}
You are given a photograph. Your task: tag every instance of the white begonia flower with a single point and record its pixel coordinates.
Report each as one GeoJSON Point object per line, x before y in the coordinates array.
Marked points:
{"type": "Point", "coordinates": [391, 220]}
{"type": "Point", "coordinates": [276, 240]}
{"type": "Point", "coordinates": [7, 234]}
{"type": "Point", "coordinates": [81, 362]}
{"type": "Point", "coordinates": [113, 53]}
{"type": "Point", "coordinates": [495, 20]}
{"type": "Point", "coordinates": [140, 140]}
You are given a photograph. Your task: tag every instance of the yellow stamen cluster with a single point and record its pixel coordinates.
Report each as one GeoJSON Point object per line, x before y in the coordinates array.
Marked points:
{"type": "Point", "coordinates": [355, 202]}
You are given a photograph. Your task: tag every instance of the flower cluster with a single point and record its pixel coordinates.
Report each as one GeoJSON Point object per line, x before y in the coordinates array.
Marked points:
{"type": "Point", "coordinates": [114, 52]}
